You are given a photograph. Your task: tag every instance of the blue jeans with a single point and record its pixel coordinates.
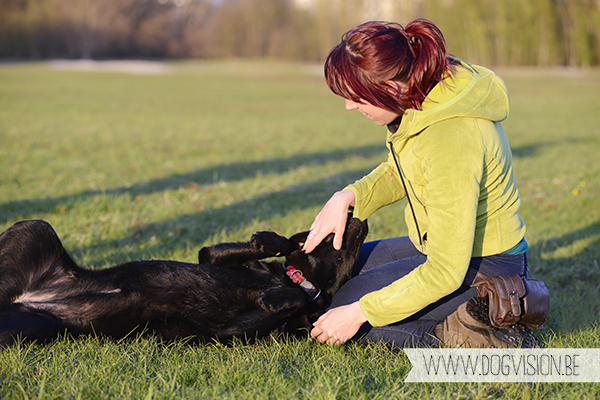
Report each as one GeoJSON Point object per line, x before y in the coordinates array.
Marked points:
{"type": "Point", "coordinates": [382, 262]}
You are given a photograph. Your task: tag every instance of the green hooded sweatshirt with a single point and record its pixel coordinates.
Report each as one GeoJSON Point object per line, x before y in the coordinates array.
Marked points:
{"type": "Point", "coordinates": [457, 166]}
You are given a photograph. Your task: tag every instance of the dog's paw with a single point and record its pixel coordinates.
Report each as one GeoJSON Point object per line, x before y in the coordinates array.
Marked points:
{"type": "Point", "coordinates": [281, 298]}
{"type": "Point", "coordinates": [271, 244]}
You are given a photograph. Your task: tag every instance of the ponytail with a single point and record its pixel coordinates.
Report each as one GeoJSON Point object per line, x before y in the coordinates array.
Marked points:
{"type": "Point", "coordinates": [430, 59]}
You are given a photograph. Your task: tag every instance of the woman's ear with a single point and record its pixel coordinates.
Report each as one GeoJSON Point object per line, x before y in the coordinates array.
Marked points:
{"type": "Point", "coordinates": [395, 87]}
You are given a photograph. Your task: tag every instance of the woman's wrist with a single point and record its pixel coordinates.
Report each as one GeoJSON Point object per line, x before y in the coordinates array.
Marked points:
{"type": "Point", "coordinates": [359, 315]}
{"type": "Point", "coordinates": [347, 196]}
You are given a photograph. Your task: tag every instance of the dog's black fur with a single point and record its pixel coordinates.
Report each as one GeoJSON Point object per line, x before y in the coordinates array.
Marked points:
{"type": "Point", "coordinates": [229, 294]}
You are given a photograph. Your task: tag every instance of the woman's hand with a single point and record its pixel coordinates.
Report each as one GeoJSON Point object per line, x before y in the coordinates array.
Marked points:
{"type": "Point", "coordinates": [332, 218]}
{"type": "Point", "coordinates": [339, 324]}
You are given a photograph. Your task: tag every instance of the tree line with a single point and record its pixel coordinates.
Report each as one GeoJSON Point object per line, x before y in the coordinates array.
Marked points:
{"type": "Point", "coordinates": [492, 32]}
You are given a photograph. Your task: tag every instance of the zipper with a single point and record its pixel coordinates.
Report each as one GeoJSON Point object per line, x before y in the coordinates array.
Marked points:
{"type": "Point", "coordinates": [406, 191]}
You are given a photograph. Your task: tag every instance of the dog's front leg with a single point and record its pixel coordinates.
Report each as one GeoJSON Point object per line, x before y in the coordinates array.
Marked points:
{"type": "Point", "coordinates": [261, 245]}
{"type": "Point", "coordinates": [276, 306]}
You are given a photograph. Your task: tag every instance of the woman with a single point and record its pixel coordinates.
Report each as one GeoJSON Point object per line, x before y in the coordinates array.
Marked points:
{"type": "Point", "coordinates": [450, 157]}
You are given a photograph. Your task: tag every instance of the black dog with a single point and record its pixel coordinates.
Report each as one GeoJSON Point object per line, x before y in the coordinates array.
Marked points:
{"type": "Point", "coordinates": [229, 294]}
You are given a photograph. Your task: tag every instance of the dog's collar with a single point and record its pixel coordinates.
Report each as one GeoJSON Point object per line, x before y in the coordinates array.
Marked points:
{"type": "Point", "coordinates": [298, 277]}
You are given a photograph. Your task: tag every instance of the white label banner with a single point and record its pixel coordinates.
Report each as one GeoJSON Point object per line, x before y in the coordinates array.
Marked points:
{"type": "Point", "coordinates": [504, 365]}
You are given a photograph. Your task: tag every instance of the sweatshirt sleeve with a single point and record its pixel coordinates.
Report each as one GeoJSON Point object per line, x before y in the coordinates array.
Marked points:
{"type": "Point", "coordinates": [375, 190]}
{"type": "Point", "coordinates": [452, 170]}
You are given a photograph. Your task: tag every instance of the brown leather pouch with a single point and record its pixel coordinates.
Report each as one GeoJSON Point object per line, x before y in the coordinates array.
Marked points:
{"type": "Point", "coordinates": [513, 299]}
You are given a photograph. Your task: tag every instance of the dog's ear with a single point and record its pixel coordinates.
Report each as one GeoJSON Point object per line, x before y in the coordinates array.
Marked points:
{"type": "Point", "coordinates": [299, 238]}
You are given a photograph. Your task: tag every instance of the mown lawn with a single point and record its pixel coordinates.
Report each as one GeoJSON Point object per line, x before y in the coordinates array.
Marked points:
{"type": "Point", "coordinates": [157, 166]}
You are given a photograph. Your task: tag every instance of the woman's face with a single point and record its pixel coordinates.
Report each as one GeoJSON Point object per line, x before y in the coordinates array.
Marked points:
{"type": "Point", "coordinates": [378, 115]}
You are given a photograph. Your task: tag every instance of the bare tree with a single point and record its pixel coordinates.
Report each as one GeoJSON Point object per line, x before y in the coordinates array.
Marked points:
{"type": "Point", "coordinates": [508, 32]}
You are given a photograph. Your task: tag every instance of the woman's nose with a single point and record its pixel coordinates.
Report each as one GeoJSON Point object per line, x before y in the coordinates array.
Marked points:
{"type": "Point", "coordinates": [351, 105]}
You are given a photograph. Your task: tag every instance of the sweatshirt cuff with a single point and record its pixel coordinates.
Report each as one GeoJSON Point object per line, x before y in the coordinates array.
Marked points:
{"type": "Point", "coordinates": [373, 317]}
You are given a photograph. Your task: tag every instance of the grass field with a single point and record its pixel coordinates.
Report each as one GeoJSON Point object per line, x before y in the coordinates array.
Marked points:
{"type": "Point", "coordinates": [157, 166]}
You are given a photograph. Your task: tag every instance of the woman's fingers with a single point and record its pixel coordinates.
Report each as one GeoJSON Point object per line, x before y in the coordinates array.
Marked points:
{"type": "Point", "coordinates": [339, 237]}
{"type": "Point", "coordinates": [318, 332]}
{"type": "Point", "coordinates": [313, 239]}
{"type": "Point", "coordinates": [331, 219]}
{"type": "Point", "coordinates": [317, 234]}
{"type": "Point", "coordinates": [339, 324]}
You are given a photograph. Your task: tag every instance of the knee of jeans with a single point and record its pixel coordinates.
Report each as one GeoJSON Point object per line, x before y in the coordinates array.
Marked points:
{"type": "Point", "coordinates": [395, 336]}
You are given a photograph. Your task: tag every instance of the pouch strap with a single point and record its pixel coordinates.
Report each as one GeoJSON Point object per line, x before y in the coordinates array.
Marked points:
{"type": "Point", "coordinates": [515, 290]}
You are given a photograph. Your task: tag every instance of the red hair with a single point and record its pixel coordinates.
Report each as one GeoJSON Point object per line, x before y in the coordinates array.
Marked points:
{"type": "Point", "coordinates": [372, 54]}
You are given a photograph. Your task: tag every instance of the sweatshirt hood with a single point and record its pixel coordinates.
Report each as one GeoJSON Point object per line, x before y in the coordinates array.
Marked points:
{"type": "Point", "coordinates": [470, 91]}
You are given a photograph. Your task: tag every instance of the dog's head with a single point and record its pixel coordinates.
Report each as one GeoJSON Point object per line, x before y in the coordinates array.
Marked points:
{"type": "Point", "coordinates": [325, 267]}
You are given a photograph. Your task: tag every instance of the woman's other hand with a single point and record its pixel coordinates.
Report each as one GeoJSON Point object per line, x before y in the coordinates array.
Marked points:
{"type": "Point", "coordinates": [332, 218]}
{"type": "Point", "coordinates": [339, 324]}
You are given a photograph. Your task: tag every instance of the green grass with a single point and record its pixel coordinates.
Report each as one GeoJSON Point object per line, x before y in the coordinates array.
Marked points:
{"type": "Point", "coordinates": [127, 167]}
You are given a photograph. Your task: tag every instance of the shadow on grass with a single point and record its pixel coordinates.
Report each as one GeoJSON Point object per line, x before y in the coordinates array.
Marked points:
{"type": "Point", "coordinates": [219, 173]}
{"type": "Point", "coordinates": [531, 150]}
{"type": "Point", "coordinates": [573, 281]}
{"type": "Point", "coordinates": [234, 172]}
{"type": "Point", "coordinates": [194, 229]}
